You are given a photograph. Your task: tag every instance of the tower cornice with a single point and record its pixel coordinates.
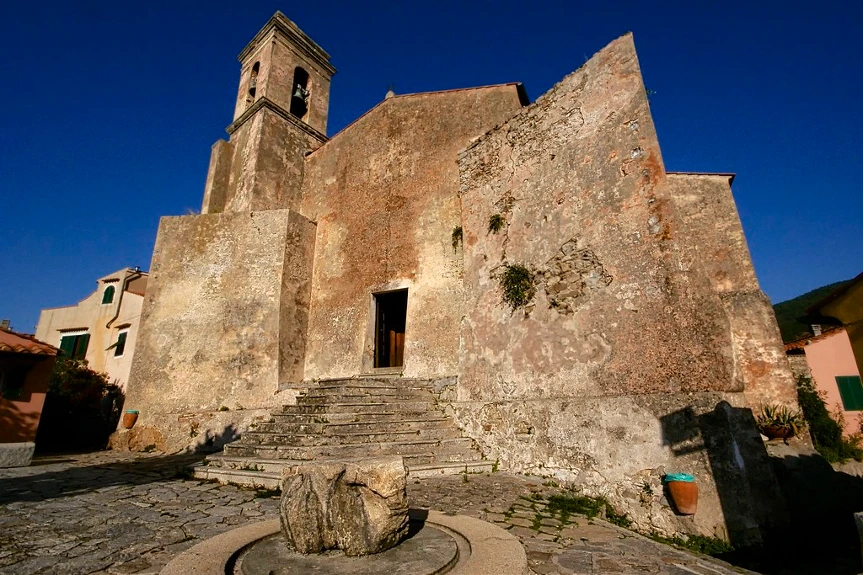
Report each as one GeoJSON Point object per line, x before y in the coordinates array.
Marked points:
{"type": "Point", "coordinates": [279, 23]}
{"type": "Point", "coordinates": [264, 102]}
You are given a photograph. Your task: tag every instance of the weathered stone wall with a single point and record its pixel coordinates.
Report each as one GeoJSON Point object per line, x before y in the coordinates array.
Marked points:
{"type": "Point", "coordinates": [622, 365]}
{"type": "Point", "coordinates": [384, 195]}
{"type": "Point", "coordinates": [579, 181]}
{"type": "Point", "coordinates": [620, 448]}
{"type": "Point", "coordinates": [261, 168]}
{"type": "Point", "coordinates": [715, 239]}
{"type": "Point", "coordinates": [223, 321]}
{"type": "Point", "coordinates": [798, 365]}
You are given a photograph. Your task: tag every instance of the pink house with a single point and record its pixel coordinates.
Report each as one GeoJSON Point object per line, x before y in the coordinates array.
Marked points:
{"type": "Point", "coordinates": [834, 369]}
{"type": "Point", "coordinates": [25, 368]}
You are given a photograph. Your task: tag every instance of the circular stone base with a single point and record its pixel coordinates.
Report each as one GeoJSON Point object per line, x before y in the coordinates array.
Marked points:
{"type": "Point", "coordinates": [426, 551]}
{"type": "Point", "coordinates": [484, 549]}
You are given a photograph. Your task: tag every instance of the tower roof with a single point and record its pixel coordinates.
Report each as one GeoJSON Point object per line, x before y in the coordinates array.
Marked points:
{"type": "Point", "coordinates": [279, 23]}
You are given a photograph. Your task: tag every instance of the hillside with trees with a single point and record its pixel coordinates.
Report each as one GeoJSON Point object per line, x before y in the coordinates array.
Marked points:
{"type": "Point", "coordinates": [790, 312]}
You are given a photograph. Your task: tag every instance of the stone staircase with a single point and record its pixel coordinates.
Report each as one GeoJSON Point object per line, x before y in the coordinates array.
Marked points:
{"type": "Point", "coordinates": [349, 419]}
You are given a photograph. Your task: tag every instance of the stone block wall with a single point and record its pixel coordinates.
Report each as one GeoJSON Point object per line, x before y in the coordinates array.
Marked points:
{"type": "Point", "coordinates": [579, 181]}
{"type": "Point", "coordinates": [714, 238]}
{"type": "Point", "coordinates": [384, 195]}
{"type": "Point", "coordinates": [261, 168]}
{"type": "Point", "coordinates": [622, 366]}
{"type": "Point", "coordinates": [223, 322]}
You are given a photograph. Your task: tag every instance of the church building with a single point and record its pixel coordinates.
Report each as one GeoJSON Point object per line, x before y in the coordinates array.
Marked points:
{"type": "Point", "coordinates": [470, 280]}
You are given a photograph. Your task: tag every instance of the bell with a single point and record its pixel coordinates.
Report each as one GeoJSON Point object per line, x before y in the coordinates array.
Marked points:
{"type": "Point", "coordinates": [300, 92]}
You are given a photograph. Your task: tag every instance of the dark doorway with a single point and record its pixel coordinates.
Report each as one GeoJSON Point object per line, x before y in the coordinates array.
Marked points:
{"type": "Point", "coordinates": [390, 309]}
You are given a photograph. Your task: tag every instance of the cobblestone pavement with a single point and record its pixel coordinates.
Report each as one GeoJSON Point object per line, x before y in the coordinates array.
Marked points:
{"type": "Point", "coordinates": [116, 513]}
{"type": "Point", "coordinates": [575, 545]}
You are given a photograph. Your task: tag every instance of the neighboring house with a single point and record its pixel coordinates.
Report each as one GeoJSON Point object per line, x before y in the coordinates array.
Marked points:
{"type": "Point", "coordinates": [103, 327]}
{"type": "Point", "coordinates": [25, 368]}
{"type": "Point", "coordinates": [833, 352]}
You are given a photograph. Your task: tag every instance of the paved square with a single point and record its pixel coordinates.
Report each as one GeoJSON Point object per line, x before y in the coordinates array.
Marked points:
{"type": "Point", "coordinates": [121, 513]}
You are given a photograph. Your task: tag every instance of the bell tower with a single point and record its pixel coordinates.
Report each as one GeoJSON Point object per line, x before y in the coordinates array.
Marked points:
{"type": "Point", "coordinates": [284, 66]}
{"type": "Point", "coordinates": [279, 116]}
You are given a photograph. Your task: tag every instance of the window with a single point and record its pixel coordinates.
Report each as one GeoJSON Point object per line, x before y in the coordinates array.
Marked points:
{"type": "Point", "coordinates": [108, 295]}
{"type": "Point", "coordinates": [253, 83]}
{"type": "Point", "coordinates": [850, 391]}
{"type": "Point", "coordinates": [12, 379]}
{"type": "Point", "coordinates": [74, 346]}
{"type": "Point", "coordinates": [299, 93]}
{"type": "Point", "coordinates": [120, 346]}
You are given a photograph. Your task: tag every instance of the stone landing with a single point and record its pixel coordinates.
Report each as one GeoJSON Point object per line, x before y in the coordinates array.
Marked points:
{"type": "Point", "coordinates": [347, 420]}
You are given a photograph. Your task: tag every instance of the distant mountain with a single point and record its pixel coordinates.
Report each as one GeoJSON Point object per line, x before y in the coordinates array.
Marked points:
{"type": "Point", "coordinates": [790, 311]}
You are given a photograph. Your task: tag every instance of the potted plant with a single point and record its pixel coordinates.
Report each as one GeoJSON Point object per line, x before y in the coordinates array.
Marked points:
{"type": "Point", "coordinates": [779, 422]}
{"type": "Point", "coordinates": [683, 492]}
{"type": "Point", "coordinates": [129, 418]}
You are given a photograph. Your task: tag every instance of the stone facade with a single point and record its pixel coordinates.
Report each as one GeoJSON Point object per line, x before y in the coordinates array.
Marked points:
{"type": "Point", "coordinates": [643, 338]}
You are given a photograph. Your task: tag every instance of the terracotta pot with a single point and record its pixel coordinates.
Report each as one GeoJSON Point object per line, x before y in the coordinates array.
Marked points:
{"type": "Point", "coordinates": [777, 432]}
{"type": "Point", "coordinates": [684, 495]}
{"type": "Point", "coordinates": [129, 419]}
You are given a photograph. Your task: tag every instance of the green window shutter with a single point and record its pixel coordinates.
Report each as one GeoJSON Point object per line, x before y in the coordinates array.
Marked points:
{"type": "Point", "coordinates": [850, 392]}
{"type": "Point", "coordinates": [108, 294]}
{"type": "Point", "coordinates": [120, 346]}
{"type": "Point", "coordinates": [81, 346]}
{"type": "Point", "coordinates": [67, 345]}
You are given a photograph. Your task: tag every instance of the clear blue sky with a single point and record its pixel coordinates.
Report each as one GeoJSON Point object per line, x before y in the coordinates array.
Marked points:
{"type": "Point", "coordinates": [110, 109]}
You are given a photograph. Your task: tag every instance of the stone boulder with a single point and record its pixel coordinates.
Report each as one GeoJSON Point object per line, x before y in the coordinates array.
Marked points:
{"type": "Point", "coordinates": [360, 508]}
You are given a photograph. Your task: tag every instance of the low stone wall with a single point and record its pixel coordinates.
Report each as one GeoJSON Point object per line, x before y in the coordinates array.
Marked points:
{"type": "Point", "coordinates": [620, 448]}
{"type": "Point", "coordinates": [16, 454]}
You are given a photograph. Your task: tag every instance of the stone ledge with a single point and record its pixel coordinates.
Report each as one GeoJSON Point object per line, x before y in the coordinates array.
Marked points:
{"type": "Point", "coordinates": [492, 550]}
{"type": "Point", "coordinates": [16, 454]}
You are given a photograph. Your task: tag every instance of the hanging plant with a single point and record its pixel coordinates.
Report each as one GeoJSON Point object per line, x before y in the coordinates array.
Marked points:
{"type": "Point", "coordinates": [517, 285]}
{"type": "Point", "coordinates": [456, 237]}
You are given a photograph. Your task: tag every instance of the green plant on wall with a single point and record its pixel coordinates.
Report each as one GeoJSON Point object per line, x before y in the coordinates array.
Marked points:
{"type": "Point", "coordinates": [517, 285]}
{"type": "Point", "coordinates": [496, 222]}
{"type": "Point", "coordinates": [825, 430]}
{"type": "Point", "coordinates": [456, 237]}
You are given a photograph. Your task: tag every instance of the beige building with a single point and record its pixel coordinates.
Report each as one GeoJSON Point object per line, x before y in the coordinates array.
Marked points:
{"type": "Point", "coordinates": [463, 272]}
{"type": "Point", "coordinates": [103, 327]}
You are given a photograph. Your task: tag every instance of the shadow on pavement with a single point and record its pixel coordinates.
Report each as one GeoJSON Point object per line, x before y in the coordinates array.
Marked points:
{"type": "Point", "coordinates": [35, 484]}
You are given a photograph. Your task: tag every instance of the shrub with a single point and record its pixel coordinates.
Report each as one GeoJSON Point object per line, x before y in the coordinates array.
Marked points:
{"type": "Point", "coordinates": [825, 430]}
{"type": "Point", "coordinates": [81, 409]}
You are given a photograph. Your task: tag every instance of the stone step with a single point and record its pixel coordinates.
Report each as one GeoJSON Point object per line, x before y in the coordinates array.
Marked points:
{"type": "Point", "coordinates": [419, 461]}
{"type": "Point", "coordinates": [253, 479]}
{"type": "Point", "coordinates": [349, 417]}
{"type": "Point", "coordinates": [270, 479]}
{"type": "Point", "coordinates": [373, 381]}
{"type": "Point", "coordinates": [445, 468]}
{"type": "Point", "coordinates": [349, 451]}
{"type": "Point", "coordinates": [346, 438]}
{"type": "Point", "coordinates": [263, 473]}
{"type": "Point", "coordinates": [358, 389]}
{"type": "Point", "coordinates": [349, 398]}
{"type": "Point", "coordinates": [361, 407]}
{"type": "Point", "coordinates": [341, 427]}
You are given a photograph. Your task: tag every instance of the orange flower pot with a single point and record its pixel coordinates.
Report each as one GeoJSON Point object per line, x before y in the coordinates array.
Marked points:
{"type": "Point", "coordinates": [685, 496]}
{"type": "Point", "coordinates": [129, 419]}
